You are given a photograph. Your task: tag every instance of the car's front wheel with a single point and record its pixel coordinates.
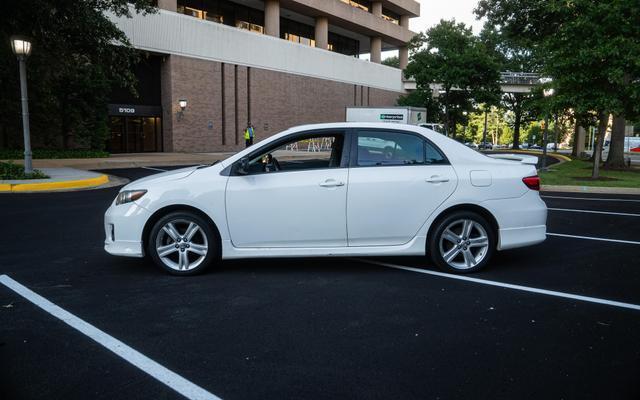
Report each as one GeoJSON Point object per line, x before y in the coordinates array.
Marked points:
{"type": "Point", "coordinates": [462, 242]}
{"type": "Point", "coordinates": [183, 243]}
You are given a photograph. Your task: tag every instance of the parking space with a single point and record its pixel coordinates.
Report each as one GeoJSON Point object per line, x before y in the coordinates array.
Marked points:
{"type": "Point", "coordinates": [322, 328]}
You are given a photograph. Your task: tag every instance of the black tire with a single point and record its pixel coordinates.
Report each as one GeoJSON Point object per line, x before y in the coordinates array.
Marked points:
{"type": "Point", "coordinates": [451, 221]}
{"type": "Point", "coordinates": [207, 236]}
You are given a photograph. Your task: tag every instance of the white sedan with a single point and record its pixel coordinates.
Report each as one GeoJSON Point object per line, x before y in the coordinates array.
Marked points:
{"type": "Point", "coordinates": [326, 190]}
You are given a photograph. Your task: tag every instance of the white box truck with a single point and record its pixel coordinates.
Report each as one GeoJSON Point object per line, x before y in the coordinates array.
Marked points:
{"type": "Point", "coordinates": [398, 115]}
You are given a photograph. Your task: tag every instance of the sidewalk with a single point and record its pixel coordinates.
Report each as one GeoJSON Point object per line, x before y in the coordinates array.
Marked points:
{"type": "Point", "coordinates": [131, 160]}
{"type": "Point", "coordinates": [59, 179]}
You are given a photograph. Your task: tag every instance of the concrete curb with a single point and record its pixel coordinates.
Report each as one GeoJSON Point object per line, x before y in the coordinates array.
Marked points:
{"type": "Point", "coordinates": [52, 186]}
{"type": "Point", "coordinates": [589, 189]}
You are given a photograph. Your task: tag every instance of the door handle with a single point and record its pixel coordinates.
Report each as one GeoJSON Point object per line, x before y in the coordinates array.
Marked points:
{"type": "Point", "coordinates": [437, 179]}
{"type": "Point", "coordinates": [331, 183]}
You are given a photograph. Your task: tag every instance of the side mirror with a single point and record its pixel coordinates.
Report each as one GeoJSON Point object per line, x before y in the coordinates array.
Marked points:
{"type": "Point", "coordinates": [243, 166]}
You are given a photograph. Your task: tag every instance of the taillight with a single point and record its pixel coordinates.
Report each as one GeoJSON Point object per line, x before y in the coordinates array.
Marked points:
{"type": "Point", "coordinates": [532, 182]}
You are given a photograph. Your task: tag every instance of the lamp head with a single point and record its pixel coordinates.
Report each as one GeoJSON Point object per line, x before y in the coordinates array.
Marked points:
{"type": "Point", "coordinates": [21, 45]}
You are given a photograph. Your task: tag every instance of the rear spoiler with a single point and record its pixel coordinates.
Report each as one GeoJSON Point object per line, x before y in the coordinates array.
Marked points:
{"type": "Point", "coordinates": [522, 158]}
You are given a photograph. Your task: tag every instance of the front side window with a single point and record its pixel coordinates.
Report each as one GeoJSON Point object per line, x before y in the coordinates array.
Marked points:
{"type": "Point", "coordinates": [303, 153]}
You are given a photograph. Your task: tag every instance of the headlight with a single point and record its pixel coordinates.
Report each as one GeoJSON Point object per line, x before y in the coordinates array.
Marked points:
{"type": "Point", "coordinates": [128, 196]}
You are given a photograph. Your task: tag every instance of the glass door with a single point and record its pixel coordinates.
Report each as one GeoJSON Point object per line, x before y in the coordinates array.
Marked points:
{"type": "Point", "coordinates": [116, 143]}
{"type": "Point", "coordinates": [135, 134]}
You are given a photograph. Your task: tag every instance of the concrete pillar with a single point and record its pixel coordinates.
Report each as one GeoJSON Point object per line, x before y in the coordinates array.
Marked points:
{"type": "Point", "coordinates": [322, 32]}
{"type": "Point", "coordinates": [403, 55]}
{"type": "Point", "coordinates": [376, 49]}
{"type": "Point", "coordinates": [169, 5]}
{"type": "Point", "coordinates": [272, 17]}
{"type": "Point", "coordinates": [376, 8]}
{"type": "Point", "coordinates": [404, 51]}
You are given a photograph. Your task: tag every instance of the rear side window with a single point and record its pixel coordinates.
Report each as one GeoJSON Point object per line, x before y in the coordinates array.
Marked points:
{"type": "Point", "coordinates": [433, 155]}
{"type": "Point", "coordinates": [389, 148]}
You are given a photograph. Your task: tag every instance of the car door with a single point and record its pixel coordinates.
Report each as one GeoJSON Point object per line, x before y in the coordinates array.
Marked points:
{"type": "Point", "coordinates": [298, 201]}
{"type": "Point", "coordinates": [396, 181]}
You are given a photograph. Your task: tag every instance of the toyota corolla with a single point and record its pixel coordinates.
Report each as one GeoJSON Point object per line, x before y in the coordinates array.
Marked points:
{"type": "Point", "coordinates": [333, 190]}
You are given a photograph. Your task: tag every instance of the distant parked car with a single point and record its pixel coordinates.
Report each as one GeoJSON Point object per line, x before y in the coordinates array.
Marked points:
{"type": "Point", "coordinates": [485, 146]}
{"type": "Point", "coordinates": [471, 144]}
{"type": "Point", "coordinates": [552, 146]}
{"type": "Point", "coordinates": [535, 147]}
{"type": "Point", "coordinates": [524, 146]}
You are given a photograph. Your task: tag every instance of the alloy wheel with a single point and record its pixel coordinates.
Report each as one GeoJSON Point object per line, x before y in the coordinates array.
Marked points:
{"type": "Point", "coordinates": [463, 244]}
{"type": "Point", "coordinates": [182, 245]}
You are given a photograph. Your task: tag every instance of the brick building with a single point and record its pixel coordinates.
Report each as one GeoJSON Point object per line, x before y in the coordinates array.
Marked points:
{"type": "Point", "coordinates": [276, 63]}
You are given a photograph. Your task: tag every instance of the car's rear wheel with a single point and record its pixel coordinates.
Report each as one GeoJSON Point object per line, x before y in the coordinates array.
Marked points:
{"type": "Point", "coordinates": [462, 242]}
{"type": "Point", "coordinates": [183, 243]}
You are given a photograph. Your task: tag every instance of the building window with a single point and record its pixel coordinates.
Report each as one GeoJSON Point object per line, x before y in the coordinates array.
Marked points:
{"type": "Point", "coordinates": [343, 45]}
{"type": "Point", "coordinates": [297, 32]}
{"type": "Point", "coordinates": [390, 16]}
{"type": "Point", "coordinates": [224, 12]}
{"type": "Point", "coordinates": [361, 4]}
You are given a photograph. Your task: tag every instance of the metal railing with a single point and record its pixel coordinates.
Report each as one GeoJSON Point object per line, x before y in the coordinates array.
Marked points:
{"type": "Point", "coordinates": [520, 78]}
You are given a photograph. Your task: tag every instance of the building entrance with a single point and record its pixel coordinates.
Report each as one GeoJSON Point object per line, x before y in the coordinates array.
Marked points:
{"type": "Point", "coordinates": [135, 134]}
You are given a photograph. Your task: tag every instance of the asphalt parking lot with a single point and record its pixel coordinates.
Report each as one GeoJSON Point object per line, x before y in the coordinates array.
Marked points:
{"type": "Point", "coordinates": [376, 328]}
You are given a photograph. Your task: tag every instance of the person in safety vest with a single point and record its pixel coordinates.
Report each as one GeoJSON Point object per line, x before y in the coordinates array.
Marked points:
{"type": "Point", "coordinates": [249, 133]}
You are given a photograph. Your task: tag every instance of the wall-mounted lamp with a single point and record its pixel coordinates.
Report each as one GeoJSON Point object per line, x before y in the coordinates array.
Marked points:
{"type": "Point", "coordinates": [183, 105]}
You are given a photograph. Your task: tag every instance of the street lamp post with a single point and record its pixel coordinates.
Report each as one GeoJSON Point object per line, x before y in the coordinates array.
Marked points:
{"type": "Point", "coordinates": [546, 93]}
{"type": "Point", "coordinates": [555, 133]}
{"type": "Point", "coordinates": [21, 47]}
{"type": "Point", "coordinates": [484, 130]}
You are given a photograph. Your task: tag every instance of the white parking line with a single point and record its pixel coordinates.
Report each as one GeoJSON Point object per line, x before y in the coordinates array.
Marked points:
{"type": "Point", "coordinates": [593, 212]}
{"type": "Point", "coordinates": [509, 285]}
{"type": "Point", "coordinates": [593, 238]}
{"type": "Point", "coordinates": [588, 198]}
{"type": "Point", "coordinates": [155, 169]}
{"type": "Point", "coordinates": [139, 360]}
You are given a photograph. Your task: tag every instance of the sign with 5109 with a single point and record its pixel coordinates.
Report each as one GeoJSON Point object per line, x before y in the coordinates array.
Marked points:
{"type": "Point", "coordinates": [134, 110]}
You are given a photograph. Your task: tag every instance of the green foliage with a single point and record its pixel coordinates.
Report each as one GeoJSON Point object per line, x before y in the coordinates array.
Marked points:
{"type": "Point", "coordinates": [392, 62]}
{"type": "Point", "coordinates": [449, 55]}
{"type": "Point", "coordinates": [9, 170]}
{"type": "Point", "coordinates": [17, 154]}
{"type": "Point", "coordinates": [514, 57]}
{"type": "Point", "coordinates": [421, 98]}
{"type": "Point", "coordinates": [78, 56]}
{"type": "Point", "coordinates": [591, 49]}
{"type": "Point", "coordinates": [499, 130]}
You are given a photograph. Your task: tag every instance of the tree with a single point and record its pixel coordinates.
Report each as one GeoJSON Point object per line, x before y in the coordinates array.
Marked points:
{"type": "Point", "coordinates": [420, 98]}
{"type": "Point", "coordinates": [393, 61]}
{"type": "Point", "coordinates": [78, 56]}
{"type": "Point", "coordinates": [589, 48]}
{"type": "Point", "coordinates": [458, 64]}
{"type": "Point", "coordinates": [512, 58]}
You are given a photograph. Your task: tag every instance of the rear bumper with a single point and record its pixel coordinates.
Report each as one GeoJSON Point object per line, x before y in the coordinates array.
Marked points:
{"type": "Point", "coordinates": [521, 221]}
{"type": "Point", "coordinates": [511, 238]}
{"type": "Point", "coordinates": [123, 227]}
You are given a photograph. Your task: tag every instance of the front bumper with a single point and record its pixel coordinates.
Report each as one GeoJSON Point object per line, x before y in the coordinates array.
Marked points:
{"type": "Point", "coordinates": [123, 227]}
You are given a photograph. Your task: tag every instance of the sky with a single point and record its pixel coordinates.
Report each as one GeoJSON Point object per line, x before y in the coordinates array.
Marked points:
{"type": "Point", "coordinates": [432, 11]}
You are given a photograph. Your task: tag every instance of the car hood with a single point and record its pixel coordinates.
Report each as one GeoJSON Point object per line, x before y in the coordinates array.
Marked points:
{"type": "Point", "coordinates": [161, 177]}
